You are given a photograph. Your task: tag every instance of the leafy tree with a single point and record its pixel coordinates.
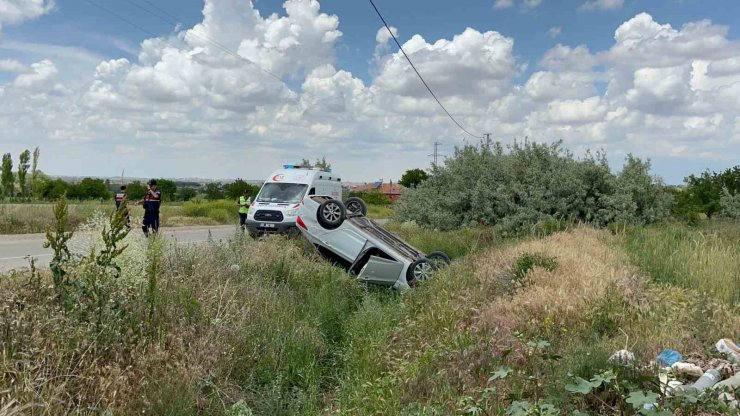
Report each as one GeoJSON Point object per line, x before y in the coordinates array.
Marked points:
{"type": "Point", "coordinates": [35, 171]}
{"type": "Point", "coordinates": [52, 189]}
{"type": "Point", "coordinates": [235, 189]}
{"type": "Point", "coordinates": [704, 193]}
{"type": "Point", "coordinates": [7, 180]}
{"type": "Point", "coordinates": [413, 177]}
{"type": "Point", "coordinates": [186, 194]}
{"type": "Point", "coordinates": [23, 165]}
{"type": "Point", "coordinates": [89, 188]}
{"type": "Point", "coordinates": [524, 186]}
{"type": "Point", "coordinates": [321, 164]}
{"type": "Point", "coordinates": [214, 190]}
{"type": "Point", "coordinates": [167, 188]}
{"type": "Point", "coordinates": [135, 191]}
{"type": "Point", "coordinates": [372, 197]}
{"type": "Point", "coordinates": [730, 203]}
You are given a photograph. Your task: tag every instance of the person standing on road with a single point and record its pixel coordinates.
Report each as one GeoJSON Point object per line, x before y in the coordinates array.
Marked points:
{"type": "Point", "coordinates": [120, 197]}
{"type": "Point", "coordinates": [244, 202]}
{"type": "Point", "coordinates": [151, 203]}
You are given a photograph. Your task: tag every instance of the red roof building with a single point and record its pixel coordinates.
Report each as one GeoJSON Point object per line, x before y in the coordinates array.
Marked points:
{"type": "Point", "coordinates": [391, 190]}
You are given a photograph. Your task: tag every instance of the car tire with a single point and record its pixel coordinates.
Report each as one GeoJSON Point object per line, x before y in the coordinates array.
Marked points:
{"type": "Point", "coordinates": [331, 214]}
{"type": "Point", "coordinates": [356, 205]}
{"type": "Point", "coordinates": [420, 270]}
{"type": "Point", "coordinates": [439, 259]}
{"type": "Point", "coordinates": [425, 267]}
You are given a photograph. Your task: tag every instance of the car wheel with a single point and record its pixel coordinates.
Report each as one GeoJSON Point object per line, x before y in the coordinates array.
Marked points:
{"type": "Point", "coordinates": [331, 214]}
{"type": "Point", "coordinates": [438, 259]}
{"type": "Point", "coordinates": [356, 206]}
{"type": "Point", "coordinates": [420, 270]}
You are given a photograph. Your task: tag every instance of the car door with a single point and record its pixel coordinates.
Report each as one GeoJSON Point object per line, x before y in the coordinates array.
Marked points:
{"type": "Point", "coordinates": [381, 271]}
{"type": "Point", "coordinates": [345, 242]}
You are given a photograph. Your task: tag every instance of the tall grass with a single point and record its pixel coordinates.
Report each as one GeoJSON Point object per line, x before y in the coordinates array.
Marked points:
{"type": "Point", "coordinates": [706, 259]}
{"type": "Point", "coordinates": [38, 217]}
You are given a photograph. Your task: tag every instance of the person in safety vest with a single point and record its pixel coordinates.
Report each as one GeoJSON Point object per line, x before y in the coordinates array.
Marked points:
{"type": "Point", "coordinates": [120, 197]}
{"type": "Point", "coordinates": [244, 202]}
{"type": "Point", "coordinates": [151, 202]}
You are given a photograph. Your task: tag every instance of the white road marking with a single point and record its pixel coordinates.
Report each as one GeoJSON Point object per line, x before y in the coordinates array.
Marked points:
{"type": "Point", "coordinates": [28, 255]}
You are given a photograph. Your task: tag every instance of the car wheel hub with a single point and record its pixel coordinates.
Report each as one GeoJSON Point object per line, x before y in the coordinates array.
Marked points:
{"type": "Point", "coordinates": [423, 271]}
{"type": "Point", "coordinates": [332, 213]}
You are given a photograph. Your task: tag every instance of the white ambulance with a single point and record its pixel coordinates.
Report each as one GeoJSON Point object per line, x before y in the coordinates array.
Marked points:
{"type": "Point", "coordinates": [275, 208]}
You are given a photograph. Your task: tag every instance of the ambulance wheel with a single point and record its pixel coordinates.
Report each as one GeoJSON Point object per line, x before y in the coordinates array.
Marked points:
{"type": "Point", "coordinates": [356, 206]}
{"type": "Point", "coordinates": [331, 214]}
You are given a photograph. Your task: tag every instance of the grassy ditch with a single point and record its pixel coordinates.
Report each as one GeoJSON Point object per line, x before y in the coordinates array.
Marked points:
{"type": "Point", "coordinates": [705, 258]}
{"type": "Point", "coordinates": [268, 328]}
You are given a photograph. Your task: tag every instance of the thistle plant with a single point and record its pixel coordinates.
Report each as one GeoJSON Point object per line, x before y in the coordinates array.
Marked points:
{"type": "Point", "coordinates": [57, 240]}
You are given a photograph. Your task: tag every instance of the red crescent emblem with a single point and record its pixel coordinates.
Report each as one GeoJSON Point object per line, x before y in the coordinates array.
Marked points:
{"type": "Point", "coordinates": [278, 177]}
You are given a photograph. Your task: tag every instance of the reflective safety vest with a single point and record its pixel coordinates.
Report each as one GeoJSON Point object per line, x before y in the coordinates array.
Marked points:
{"type": "Point", "coordinates": [119, 198]}
{"type": "Point", "coordinates": [244, 204]}
{"type": "Point", "coordinates": [151, 201]}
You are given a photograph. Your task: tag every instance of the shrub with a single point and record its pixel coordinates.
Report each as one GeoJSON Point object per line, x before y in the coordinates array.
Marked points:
{"type": "Point", "coordinates": [730, 204]}
{"type": "Point", "coordinates": [223, 211]}
{"type": "Point", "coordinates": [526, 184]}
{"type": "Point", "coordinates": [372, 197]}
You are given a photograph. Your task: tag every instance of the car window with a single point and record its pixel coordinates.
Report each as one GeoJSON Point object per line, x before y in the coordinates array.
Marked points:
{"type": "Point", "coordinates": [312, 191]}
{"type": "Point", "coordinates": [282, 192]}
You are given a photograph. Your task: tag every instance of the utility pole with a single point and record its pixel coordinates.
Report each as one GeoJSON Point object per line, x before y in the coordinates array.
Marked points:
{"type": "Point", "coordinates": [436, 153]}
{"type": "Point", "coordinates": [488, 139]}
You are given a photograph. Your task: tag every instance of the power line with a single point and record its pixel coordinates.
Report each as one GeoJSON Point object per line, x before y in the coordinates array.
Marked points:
{"type": "Point", "coordinates": [419, 75]}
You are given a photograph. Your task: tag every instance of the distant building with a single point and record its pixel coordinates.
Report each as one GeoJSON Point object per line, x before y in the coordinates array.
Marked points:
{"type": "Point", "coordinates": [391, 190]}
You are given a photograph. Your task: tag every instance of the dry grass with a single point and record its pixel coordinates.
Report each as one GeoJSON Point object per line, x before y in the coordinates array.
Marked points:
{"type": "Point", "coordinates": [480, 316]}
{"type": "Point", "coordinates": [586, 268]}
{"type": "Point", "coordinates": [36, 218]}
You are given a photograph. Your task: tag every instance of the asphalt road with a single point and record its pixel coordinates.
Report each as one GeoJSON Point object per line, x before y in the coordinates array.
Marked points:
{"type": "Point", "coordinates": [14, 249]}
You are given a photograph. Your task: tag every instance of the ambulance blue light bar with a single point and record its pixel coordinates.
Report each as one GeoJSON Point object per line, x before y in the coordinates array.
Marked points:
{"type": "Point", "coordinates": [289, 166]}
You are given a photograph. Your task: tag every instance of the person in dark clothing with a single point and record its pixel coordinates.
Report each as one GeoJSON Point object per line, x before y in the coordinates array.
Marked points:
{"type": "Point", "coordinates": [151, 203]}
{"type": "Point", "coordinates": [120, 197]}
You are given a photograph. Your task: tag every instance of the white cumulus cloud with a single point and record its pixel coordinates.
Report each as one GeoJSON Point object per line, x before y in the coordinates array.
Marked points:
{"type": "Point", "coordinates": [188, 108]}
{"type": "Point", "coordinates": [592, 5]}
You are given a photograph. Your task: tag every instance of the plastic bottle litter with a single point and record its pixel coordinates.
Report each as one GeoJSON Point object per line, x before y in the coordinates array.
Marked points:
{"type": "Point", "coordinates": [707, 380]}
{"type": "Point", "coordinates": [687, 369]}
{"type": "Point", "coordinates": [622, 357]}
{"type": "Point", "coordinates": [731, 383]}
{"type": "Point", "coordinates": [668, 357]}
{"type": "Point", "coordinates": [730, 349]}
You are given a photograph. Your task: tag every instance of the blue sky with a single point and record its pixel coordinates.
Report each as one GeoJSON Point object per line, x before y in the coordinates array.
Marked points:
{"type": "Point", "coordinates": [88, 36]}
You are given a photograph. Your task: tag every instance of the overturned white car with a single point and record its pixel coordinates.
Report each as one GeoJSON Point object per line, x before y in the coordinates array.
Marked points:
{"type": "Point", "coordinates": [345, 236]}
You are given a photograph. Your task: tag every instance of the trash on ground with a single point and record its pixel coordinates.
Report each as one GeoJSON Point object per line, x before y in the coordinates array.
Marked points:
{"type": "Point", "coordinates": [622, 357]}
{"type": "Point", "coordinates": [688, 370]}
{"type": "Point", "coordinates": [707, 380]}
{"type": "Point", "coordinates": [731, 383]}
{"type": "Point", "coordinates": [668, 357]}
{"type": "Point", "coordinates": [730, 349]}
{"type": "Point", "coordinates": [729, 400]}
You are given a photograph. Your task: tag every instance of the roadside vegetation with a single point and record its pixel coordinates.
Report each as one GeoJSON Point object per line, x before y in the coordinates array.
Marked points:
{"type": "Point", "coordinates": [38, 217]}
{"type": "Point", "coordinates": [706, 257]}
{"type": "Point", "coordinates": [523, 323]}
{"type": "Point", "coordinates": [514, 326]}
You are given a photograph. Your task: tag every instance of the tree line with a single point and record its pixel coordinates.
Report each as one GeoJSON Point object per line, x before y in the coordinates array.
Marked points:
{"type": "Point", "coordinates": [18, 184]}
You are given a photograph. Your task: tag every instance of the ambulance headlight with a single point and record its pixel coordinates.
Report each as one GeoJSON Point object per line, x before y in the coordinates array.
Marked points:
{"type": "Point", "coordinates": [291, 213]}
